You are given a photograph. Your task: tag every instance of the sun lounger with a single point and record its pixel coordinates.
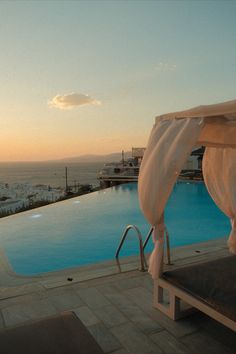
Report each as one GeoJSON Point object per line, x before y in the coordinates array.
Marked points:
{"type": "Point", "coordinates": [173, 136]}
{"type": "Point", "coordinates": [61, 334]}
{"type": "Point", "coordinates": [209, 287]}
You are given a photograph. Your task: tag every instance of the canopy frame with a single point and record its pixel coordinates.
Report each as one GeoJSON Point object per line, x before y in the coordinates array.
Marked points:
{"type": "Point", "coordinates": [173, 137]}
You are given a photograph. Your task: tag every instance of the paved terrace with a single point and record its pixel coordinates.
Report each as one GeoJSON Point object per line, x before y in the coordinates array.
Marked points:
{"type": "Point", "coordinates": [116, 307]}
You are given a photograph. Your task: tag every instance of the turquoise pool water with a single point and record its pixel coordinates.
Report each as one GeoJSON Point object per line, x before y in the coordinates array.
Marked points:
{"type": "Point", "coordinates": [87, 229]}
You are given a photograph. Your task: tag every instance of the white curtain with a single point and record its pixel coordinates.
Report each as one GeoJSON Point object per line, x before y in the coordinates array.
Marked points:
{"type": "Point", "coordinates": [218, 133]}
{"type": "Point", "coordinates": [169, 145]}
{"type": "Point", "coordinates": [219, 170]}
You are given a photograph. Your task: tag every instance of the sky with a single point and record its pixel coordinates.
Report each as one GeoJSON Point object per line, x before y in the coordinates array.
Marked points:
{"type": "Point", "coordinates": [89, 77]}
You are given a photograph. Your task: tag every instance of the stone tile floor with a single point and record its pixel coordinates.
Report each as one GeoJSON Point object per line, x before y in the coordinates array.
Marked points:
{"type": "Point", "coordinates": [117, 308]}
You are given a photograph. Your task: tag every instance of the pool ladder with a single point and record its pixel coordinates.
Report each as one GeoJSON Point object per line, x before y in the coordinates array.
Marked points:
{"type": "Point", "coordinates": [142, 245]}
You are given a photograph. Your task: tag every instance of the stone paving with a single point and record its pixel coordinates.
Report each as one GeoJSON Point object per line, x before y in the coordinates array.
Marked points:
{"type": "Point", "coordinates": [117, 308]}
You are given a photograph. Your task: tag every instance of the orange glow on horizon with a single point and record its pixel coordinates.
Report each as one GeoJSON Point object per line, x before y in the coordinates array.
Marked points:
{"type": "Point", "coordinates": [36, 149]}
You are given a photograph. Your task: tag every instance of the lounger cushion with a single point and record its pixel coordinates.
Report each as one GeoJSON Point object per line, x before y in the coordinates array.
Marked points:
{"type": "Point", "coordinates": [213, 282]}
{"type": "Point", "coordinates": [61, 334]}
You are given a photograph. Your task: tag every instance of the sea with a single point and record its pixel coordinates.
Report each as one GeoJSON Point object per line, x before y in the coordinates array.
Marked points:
{"type": "Point", "coordinates": [50, 173]}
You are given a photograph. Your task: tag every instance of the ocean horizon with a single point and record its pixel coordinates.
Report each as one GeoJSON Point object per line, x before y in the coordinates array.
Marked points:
{"type": "Point", "coordinates": [50, 173]}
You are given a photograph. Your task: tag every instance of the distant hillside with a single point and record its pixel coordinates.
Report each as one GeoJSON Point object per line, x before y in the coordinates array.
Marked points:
{"type": "Point", "coordinates": [116, 156]}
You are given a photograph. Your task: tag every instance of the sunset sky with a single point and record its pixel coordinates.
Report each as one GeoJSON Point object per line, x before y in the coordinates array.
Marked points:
{"type": "Point", "coordinates": [82, 77]}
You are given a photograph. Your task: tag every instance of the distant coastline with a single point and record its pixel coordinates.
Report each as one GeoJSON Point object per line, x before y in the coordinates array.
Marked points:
{"type": "Point", "coordinates": [87, 158]}
{"type": "Point", "coordinates": [117, 156]}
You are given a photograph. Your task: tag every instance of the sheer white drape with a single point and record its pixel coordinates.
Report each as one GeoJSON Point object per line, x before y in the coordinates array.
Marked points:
{"type": "Point", "coordinates": [219, 170]}
{"type": "Point", "coordinates": [170, 143]}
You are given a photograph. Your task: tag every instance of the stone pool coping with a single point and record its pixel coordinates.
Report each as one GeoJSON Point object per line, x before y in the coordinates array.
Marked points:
{"type": "Point", "coordinates": [13, 284]}
{"type": "Point", "coordinates": [116, 308]}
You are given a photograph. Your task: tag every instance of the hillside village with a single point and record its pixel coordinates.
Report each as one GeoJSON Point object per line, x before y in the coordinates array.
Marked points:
{"type": "Point", "coordinates": [17, 197]}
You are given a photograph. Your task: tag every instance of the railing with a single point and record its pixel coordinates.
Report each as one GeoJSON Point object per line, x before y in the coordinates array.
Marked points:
{"type": "Point", "coordinates": [167, 243]}
{"type": "Point", "coordinates": [147, 238]}
{"type": "Point", "coordinates": [168, 247]}
{"type": "Point", "coordinates": [138, 233]}
{"type": "Point", "coordinates": [142, 245]}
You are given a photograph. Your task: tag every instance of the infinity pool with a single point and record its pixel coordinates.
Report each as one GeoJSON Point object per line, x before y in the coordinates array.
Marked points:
{"type": "Point", "coordinates": [87, 229]}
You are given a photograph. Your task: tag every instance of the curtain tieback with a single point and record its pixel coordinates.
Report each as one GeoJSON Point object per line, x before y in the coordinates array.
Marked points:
{"type": "Point", "coordinates": [158, 232]}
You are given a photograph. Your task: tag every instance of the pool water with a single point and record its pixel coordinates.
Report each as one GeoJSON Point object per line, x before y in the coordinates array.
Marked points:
{"type": "Point", "coordinates": [87, 229]}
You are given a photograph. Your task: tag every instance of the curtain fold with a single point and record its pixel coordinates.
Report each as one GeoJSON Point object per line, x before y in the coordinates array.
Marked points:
{"type": "Point", "coordinates": [170, 143]}
{"type": "Point", "coordinates": [219, 171]}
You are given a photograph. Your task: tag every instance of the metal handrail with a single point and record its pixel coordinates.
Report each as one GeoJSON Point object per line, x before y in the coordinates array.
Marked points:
{"type": "Point", "coordinates": [138, 233]}
{"type": "Point", "coordinates": [167, 243]}
{"type": "Point", "coordinates": [148, 237]}
{"type": "Point", "coordinates": [168, 247]}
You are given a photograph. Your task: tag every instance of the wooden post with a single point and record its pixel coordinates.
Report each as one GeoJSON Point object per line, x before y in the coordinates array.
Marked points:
{"type": "Point", "coordinates": [66, 179]}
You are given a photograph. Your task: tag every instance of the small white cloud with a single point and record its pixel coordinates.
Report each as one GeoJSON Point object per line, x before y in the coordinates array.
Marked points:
{"type": "Point", "coordinates": [72, 100]}
{"type": "Point", "coordinates": [165, 67]}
